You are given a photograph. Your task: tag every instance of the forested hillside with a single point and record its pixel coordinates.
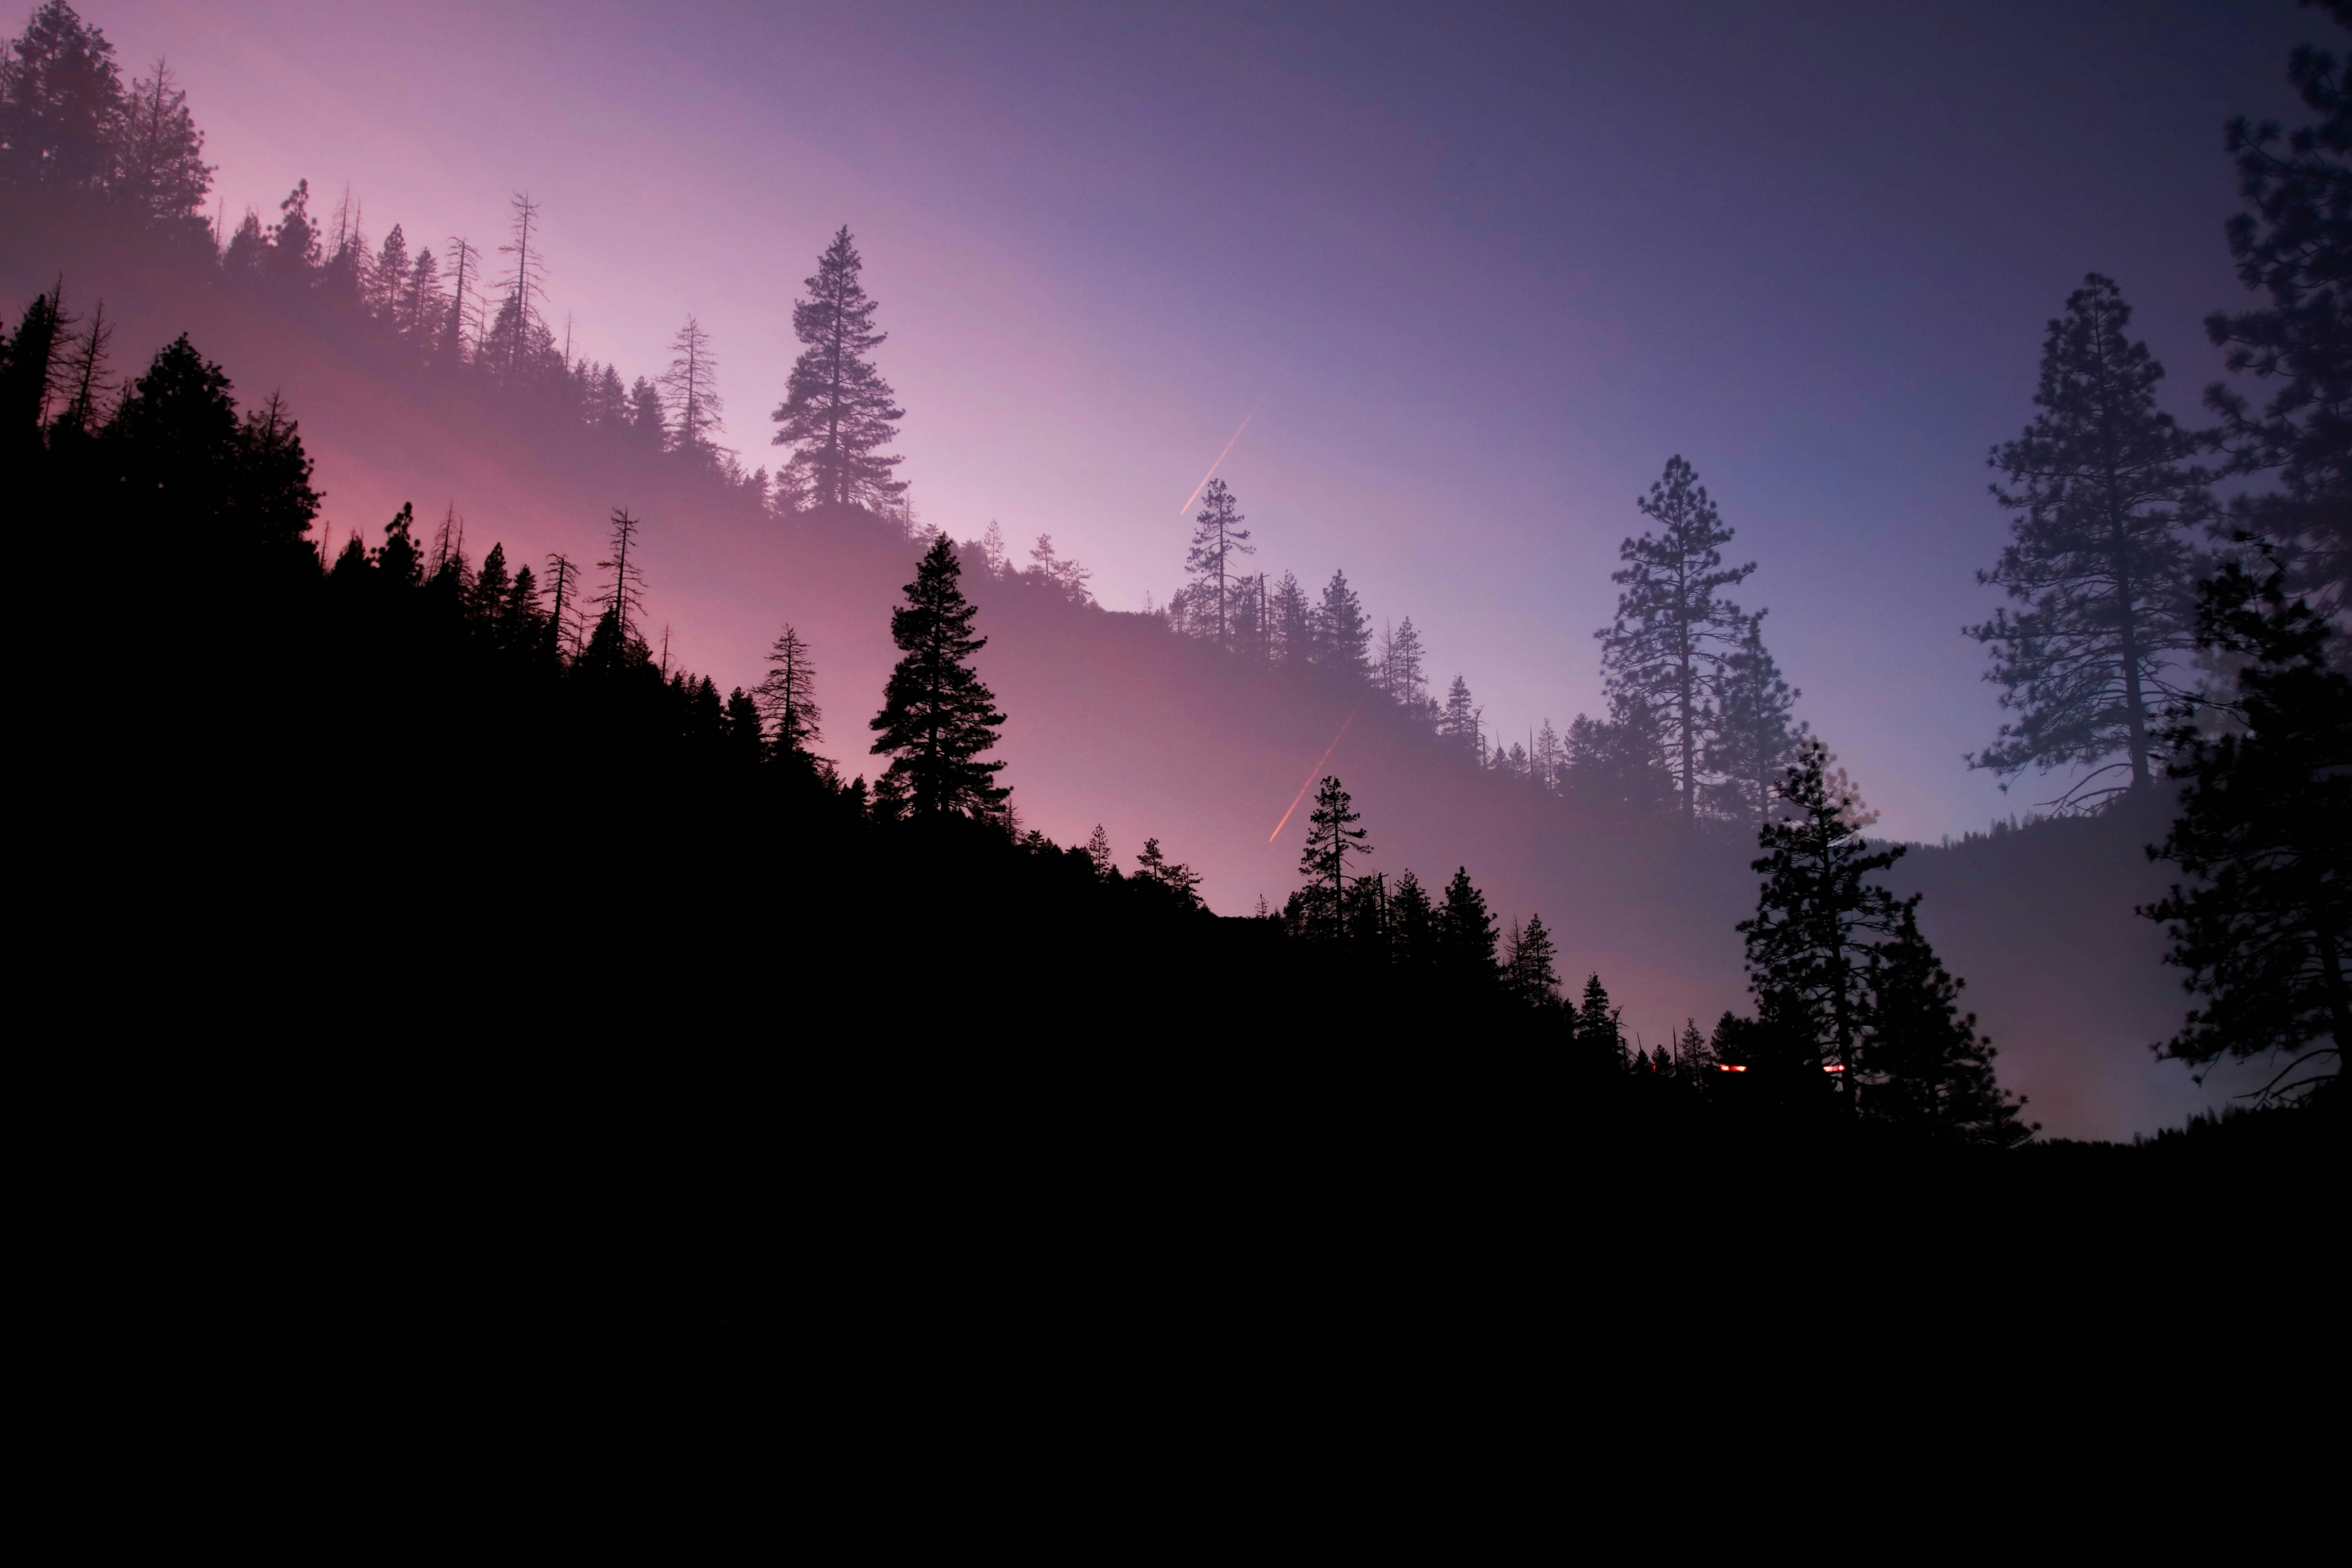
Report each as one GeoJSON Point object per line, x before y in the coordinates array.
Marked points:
{"type": "Point", "coordinates": [445, 416]}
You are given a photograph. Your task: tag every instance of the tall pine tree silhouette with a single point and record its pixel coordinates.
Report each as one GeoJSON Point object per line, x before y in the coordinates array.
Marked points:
{"type": "Point", "coordinates": [1818, 917]}
{"type": "Point", "coordinates": [1217, 537]}
{"type": "Point", "coordinates": [2098, 561]}
{"type": "Point", "coordinates": [1330, 841]}
{"type": "Point", "coordinates": [1673, 632]}
{"type": "Point", "coordinates": [936, 718]}
{"type": "Point", "coordinates": [838, 411]}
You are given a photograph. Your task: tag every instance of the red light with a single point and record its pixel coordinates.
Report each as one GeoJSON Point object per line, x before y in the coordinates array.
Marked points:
{"type": "Point", "coordinates": [1834, 1067]}
{"type": "Point", "coordinates": [1726, 1066]}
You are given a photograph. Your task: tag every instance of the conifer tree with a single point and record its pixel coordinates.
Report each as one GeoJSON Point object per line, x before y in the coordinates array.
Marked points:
{"type": "Point", "coordinates": [520, 325]}
{"type": "Point", "coordinates": [34, 370]}
{"type": "Point", "coordinates": [1179, 879]}
{"type": "Point", "coordinates": [2264, 927]}
{"type": "Point", "coordinates": [2294, 246]}
{"type": "Point", "coordinates": [1531, 962]}
{"type": "Point", "coordinates": [623, 596]}
{"type": "Point", "coordinates": [936, 717]}
{"type": "Point", "coordinates": [1330, 841]}
{"type": "Point", "coordinates": [1819, 916]}
{"type": "Point", "coordinates": [1413, 925]}
{"type": "Point", "coordinates": [1294, 622]}
{"type": "Point", "coordinates": [563, 616]}
{"type": "Point", "coordinates": [1674, 631]}
{"type": "Point", "coordinates": [59, 98]}
{"type": "Point", "coordinates": [691, 396]}
{"type": "Point", "coordinates": [1924, 1069]}
{"type": "Point", "coordinates": [788, 696]}
{"type": "Point", "coordinates": [388, 278]}
{"type": "Point", "coordinates": [1457, 723]}
{"type": "Point", "coordinates": [1403, 674]}
{"type": "Point", "coordinates": [1343, 635]}
{"type": "Point", "coordinates": [2102, 482]}
{"type": "Point", "coordinates": [1098, 851]}
{"type": "Point", "coordinates": [1756, 734]}
{"type": "Point", "coordinates": [1218, 537]}
{"type": "Point", "coordinates": [1597, 1031]}
{"type": "Point", "coordinates": [159, 166]}
{"type": "Point", "coordinates": [648, 419]}
{"type": "Point", "coordinates": [292, 259]}
{"type": "Point", "coordinates": [838, 411]}
{"type": "Point", "coordinates": [1465, 933]}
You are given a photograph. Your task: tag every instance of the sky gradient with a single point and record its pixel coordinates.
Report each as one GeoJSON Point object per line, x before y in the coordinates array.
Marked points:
{"type": "Point", "coordinates": [1482, 271]}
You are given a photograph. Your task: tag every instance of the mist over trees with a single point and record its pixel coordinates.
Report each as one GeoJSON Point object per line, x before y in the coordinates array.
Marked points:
{"type": "Point", "coordinates": [2117, 663]}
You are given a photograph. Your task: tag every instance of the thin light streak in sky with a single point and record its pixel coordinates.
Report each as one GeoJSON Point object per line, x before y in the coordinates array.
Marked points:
{"type": "Point", "coordinates": [1221, 458]}
{"type": "Point", "coordinates": [1318, 761]}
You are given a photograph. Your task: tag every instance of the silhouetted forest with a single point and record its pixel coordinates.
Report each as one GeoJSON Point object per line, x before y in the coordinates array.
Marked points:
{"type": "Point", "coordinates": [516, 813]}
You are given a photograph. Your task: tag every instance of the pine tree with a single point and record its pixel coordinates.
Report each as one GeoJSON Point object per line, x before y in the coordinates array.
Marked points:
{"type": "Point", "coordinates": [1756, 734]}
{"type": "Point", "coordinates": [1619, 759]}
{"type": "Point", "coordinates": [1293, 622]}
{"type": "Point", "coordinates": [457, 316]}
{"type": "Point", "coordinates": [520, 325]}
{"type": "Point", "coordinates": [1600, 1039]}
{"type": "Point", "coordinates": [1924, 1069]}
{"type": "Point", "coordinates": [1819, 916]}
{"type": "Point", "coordinates": [1673, 631]}
{"type": "Point", "coordinates": [1179, 879]}
{"type": "Point", "coordinates": [1465, 933]}
{"type": "Point", "coordinates": [1457, 724]}
{"type": "Point", "coordinates": [838, 411]}
{"type": "Point", "coordinates": [1413, 925]}
{"type": "Point", "coordinates": [34, 372]}
{"type": "Point", "coordinates": [486, 595]}
{"type": "Point", "coordinates": [1068, 577]}
{"type": "Point", "coordinates": [1098, 851]}
{"type": "Point", "coordinates": [2265, 929]}
{"type": "Point", "coordinates": [1217, 537]}
{"type": "Point", "coordinates": [1550, 757]}
{"type": "Point", "coordinates": [563, 616]}
{"type": "Point", "coordinates": [59, 99]}
{"type": "Point", "coordinates": [787, 696]}
{"type": "Point", "coordinates": [2102, 482]}
{"type": "Point", "coordinates": [1343, 635]}
{"type": "Point", "coordinates": [292, 260]}
{"type": "Point", "coordinates": [623, 596]}
{"type": "Point", "coordinates": [691, 396]}
{"type": "Point", "coordinates": [159, 166]}
{"type": "Point", "coordinates": [648, 419]}
{"type": "Point", "coordinates": [2293, 245]}
{"type": "Point", "coordinates": [1330, 841]}
{"type": "Point", "coordinates": [1403, 677]}
{"type": "Point", "coordinates": [388, 279]}
{"type": "Point", "coordinates": [936, 717]}
{"type": "Point", "coordinates": [1531, 962]}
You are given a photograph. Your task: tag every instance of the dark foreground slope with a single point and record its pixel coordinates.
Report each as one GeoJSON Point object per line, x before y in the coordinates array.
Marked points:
{"type": "Point", "coordinates": [1114, 720]}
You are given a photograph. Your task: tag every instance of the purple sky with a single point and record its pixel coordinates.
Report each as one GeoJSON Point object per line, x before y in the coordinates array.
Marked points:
{"type": "Point", "coordinates": [1487, 267]}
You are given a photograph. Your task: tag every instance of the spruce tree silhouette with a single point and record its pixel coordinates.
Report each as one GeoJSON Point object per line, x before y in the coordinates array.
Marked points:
{"type": "Point", "coordinates": [1755, 731]}
{"type": "Point", "coordinates": [2265, 928]}
{"type": "Point", "coordinates": [787, 696]}
{"type": "Point", "coordinates": [1532, 964]}
{"type": "Point", "coordinates": [837, 411]}
{"type": "Point", "coordinates": [936, 717]}
{"type": "Point", "coordinates": [2104, 486]}
{"type": "Point", "coordinates": [1217, 537]}
{"type": "Point", "coordinates": [1324, 860]}
{"type": "Point", "coordinates": [1343, 637]}
{"type": "Point", "coordinates": [1924, 1070]}
{"type": "Point", "coordinates": [1818, 919]}
{"type": "Point", "coordinates": [1465, 935]}
{"type": "Point", "coordinates": [1667, 647]}
{"type": "Point", "coordinates": [62, 95]}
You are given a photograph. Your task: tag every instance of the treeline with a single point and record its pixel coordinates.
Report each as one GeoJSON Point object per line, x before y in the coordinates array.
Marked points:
{"type": "Point", "coordinates": [458, 324]}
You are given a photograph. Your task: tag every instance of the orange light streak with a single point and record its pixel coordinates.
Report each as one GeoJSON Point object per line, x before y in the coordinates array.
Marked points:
{"type": "Point", "coordinates": [1311, 771]}
{"type": "Point", "coordinates": [1221, 458]}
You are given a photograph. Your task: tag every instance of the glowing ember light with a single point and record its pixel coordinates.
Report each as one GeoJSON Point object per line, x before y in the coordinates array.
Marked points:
{"type": "Point", "coordinates": [1834, 1067]}
{"type": "Point", "coordinates": [1221, 458]}
{"type": "Point", "coordinates": [1726, 1066]}
{"type": "Point", "coordinates": [1311, 771]}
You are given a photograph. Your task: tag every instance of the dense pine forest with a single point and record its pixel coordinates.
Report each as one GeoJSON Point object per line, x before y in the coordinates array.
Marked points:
{"type": "Point", "coordinates": [475, 789]}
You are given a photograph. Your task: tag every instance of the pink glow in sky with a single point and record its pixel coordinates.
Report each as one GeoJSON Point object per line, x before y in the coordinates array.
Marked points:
{"type": "Point", "coordinates": [1485, 271]}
